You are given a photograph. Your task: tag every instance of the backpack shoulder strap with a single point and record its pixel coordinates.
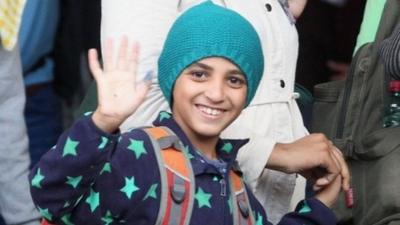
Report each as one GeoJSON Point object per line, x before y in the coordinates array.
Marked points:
{"type": "Point", "coordinates": [176, 173]}
{"type": "Point", "coordinates": [177, 183]}
{"type": "Point", "coordinates": [45, 222]}
{"type": "Point", "coordinates": [177, 179]}
{"type": "Point", "coordinates": [242, 212]}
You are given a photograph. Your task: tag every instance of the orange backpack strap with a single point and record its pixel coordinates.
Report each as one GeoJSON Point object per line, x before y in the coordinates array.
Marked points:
{"type": "Point", "coordinates": [177, 179]}
{"type": "Point", "coordinates": [45, 222]}
{"type": "Point", "coordinates": [242, 212]}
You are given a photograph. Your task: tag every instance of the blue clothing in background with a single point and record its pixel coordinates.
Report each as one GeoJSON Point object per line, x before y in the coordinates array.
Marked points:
{"type": "Point", "coordinates": [43, 119]}
{"type": "Point", "coordinates": [43, 108]}
{"type": "Point", "coordinates": [36, 38]}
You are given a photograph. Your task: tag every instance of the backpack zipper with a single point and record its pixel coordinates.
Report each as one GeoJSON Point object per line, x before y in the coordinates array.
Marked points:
{"type": "Point", "coordinates": [346, 95]}
{"type": "Point", "coordinates": [222, 182]}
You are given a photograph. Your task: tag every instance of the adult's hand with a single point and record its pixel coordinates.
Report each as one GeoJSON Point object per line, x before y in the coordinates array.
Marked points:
{"type": "Point", "coordinates": [314, 157]}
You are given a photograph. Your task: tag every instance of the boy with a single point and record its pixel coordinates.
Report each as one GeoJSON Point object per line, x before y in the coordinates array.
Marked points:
{"type": "Point", "coordinates": [209, 69]}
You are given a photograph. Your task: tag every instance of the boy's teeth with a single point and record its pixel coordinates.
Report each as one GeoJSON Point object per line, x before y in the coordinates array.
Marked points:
{"type": "Point", "coordinates": [210, 111]}
{"type": "Point", "coordinates": [215, 112]}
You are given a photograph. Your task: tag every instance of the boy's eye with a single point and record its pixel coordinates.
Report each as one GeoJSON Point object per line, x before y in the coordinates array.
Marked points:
{"type": "Point", "coordinates": [236, 82]}
{"type": "Point", "coordinates": [198, 75]}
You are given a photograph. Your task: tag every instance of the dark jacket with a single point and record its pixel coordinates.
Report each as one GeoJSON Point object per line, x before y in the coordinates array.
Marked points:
{"type": "Point", "coordinates": [91, 177]}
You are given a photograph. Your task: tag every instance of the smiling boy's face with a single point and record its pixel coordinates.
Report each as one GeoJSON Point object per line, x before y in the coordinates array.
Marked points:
{"type": "Point", "coordinates": [208, 96]}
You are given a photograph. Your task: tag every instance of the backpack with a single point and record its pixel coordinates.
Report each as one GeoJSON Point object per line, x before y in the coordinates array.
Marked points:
{"type": "Point", "coordinates": [351, 114]}
{"type": "Point", "coordinates": [177, 183]}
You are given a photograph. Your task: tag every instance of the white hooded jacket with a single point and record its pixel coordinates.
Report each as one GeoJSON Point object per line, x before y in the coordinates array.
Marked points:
{"type": "Point", "coordinates": [273, 115]}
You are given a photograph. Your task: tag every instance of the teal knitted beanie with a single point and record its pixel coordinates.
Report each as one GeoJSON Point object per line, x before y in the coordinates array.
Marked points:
{"type": "Point", "coordinates": [209, 30]}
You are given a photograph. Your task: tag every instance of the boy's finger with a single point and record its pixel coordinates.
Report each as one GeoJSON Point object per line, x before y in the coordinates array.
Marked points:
{"type": "Point", "coordinates": [133, 57]}
{"type": "Point", "coordinates": [317, 187]}
{"type": "Point", "coordinates": [94, 64]}
{"type": "Point", "coordinates": [325, 180]}
{"type": "Point", "coordinates": [108, 54]}
{"type": "Point", "coordinates": [141, 91]}
{"type": "Point", "coordinates": [122, 54]}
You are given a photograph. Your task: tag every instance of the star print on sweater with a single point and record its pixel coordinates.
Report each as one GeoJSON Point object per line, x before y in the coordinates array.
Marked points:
{"type": "Point", "coordinates": [93, 178]}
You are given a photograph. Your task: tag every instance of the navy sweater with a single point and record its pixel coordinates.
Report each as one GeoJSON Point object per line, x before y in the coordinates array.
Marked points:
{"type": "Point", "coordinates": [92, 177]}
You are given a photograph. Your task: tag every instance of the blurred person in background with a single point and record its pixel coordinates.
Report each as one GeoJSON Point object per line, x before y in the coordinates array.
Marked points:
{"type": "Point", "coordinates": [16, 206]}
{"type": "Point", "coordinates": [327, 34]}
{"type": "Point", "coordinates": [43, 110]}
{"type": "Point", "coordinates": [55, 36]}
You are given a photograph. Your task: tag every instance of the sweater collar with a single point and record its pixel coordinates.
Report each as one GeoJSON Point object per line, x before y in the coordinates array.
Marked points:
{"type": "Point", "coordinates": [227, 149]}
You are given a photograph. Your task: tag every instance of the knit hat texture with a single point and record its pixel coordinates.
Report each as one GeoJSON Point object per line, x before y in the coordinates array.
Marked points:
{"type": "Point", "coordinates": [208, 30]}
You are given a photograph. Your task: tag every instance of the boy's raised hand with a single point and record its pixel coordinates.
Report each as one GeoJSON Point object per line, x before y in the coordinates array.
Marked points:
{"type": "Point", "coordinates": [119, 92]}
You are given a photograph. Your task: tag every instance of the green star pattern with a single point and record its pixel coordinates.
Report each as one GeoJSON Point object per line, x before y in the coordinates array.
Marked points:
{"type": "Point", "coordinates": [305, 208]}
{"type": "Point", "coordinates": [45, 213]}
{"type": "Point", "coordinates": [88, 113]}
{"type": "Point", "coordinates": [129, 187]}
{"type": "Point", "coordinates": [227, 147]}
{"type": "Point", "coordinates": [203, 198]}
{"type": "Point", "coordinates": [70, 147]}
{"type": "Point", "coordinates": [67, 204]}
{"type": "Point", "coordinates": [103, 143]}
{"type": "Point", "coordinates": [106, 168]}
{"type": "Point", "coordinates": [93, 200]}
{"type": "Point", "coordinates": [137, 147]}
{"type": "Point", "coordinates": [259, 220]}
{"type": "Point", "coordinates": [187, 152]}
{"type": "Point", "coordinates": [37, 179]}
{"type": "Point", "coordinates": [67, 219]}
{"type": "Point", "coordinates": [164, 115]}
{"type": "Point", "coordinates": [151, 192]}
{"type": "Point", "coordinates": [74, 181]}
{"type": "Point", "coordinates": [108, 218]}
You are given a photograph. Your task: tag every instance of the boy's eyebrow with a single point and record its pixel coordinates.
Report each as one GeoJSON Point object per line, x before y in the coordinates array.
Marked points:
{"type": "Point", "coordinates": [235, 71]}
{"type": "Point", "coordinates": [207, 67]}
{"type": "Point", "coordinates": [202, 65]}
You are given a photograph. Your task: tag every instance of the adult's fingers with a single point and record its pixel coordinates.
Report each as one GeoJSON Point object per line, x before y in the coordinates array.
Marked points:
{"type": "Point", "coordinates": [332, 150]}
{"type": "Point", "coordinates": [344, 172]}
{"type": "Point", "coordinates": [332, 169]}
{"type": "Point", "coordinates": [332, 166]}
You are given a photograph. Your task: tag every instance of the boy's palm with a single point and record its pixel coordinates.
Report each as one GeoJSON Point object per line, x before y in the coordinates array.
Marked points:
{"type": "Point", "coordinates": [119, 93]}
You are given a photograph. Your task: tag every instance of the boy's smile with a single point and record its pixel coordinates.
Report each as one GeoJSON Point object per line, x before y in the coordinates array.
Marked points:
{"type": "Point", "coordinates": [207, 97]}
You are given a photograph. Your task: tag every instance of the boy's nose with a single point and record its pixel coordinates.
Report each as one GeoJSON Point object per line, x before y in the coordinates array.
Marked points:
{"type": "Point", "coordinates": [215, 91]}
